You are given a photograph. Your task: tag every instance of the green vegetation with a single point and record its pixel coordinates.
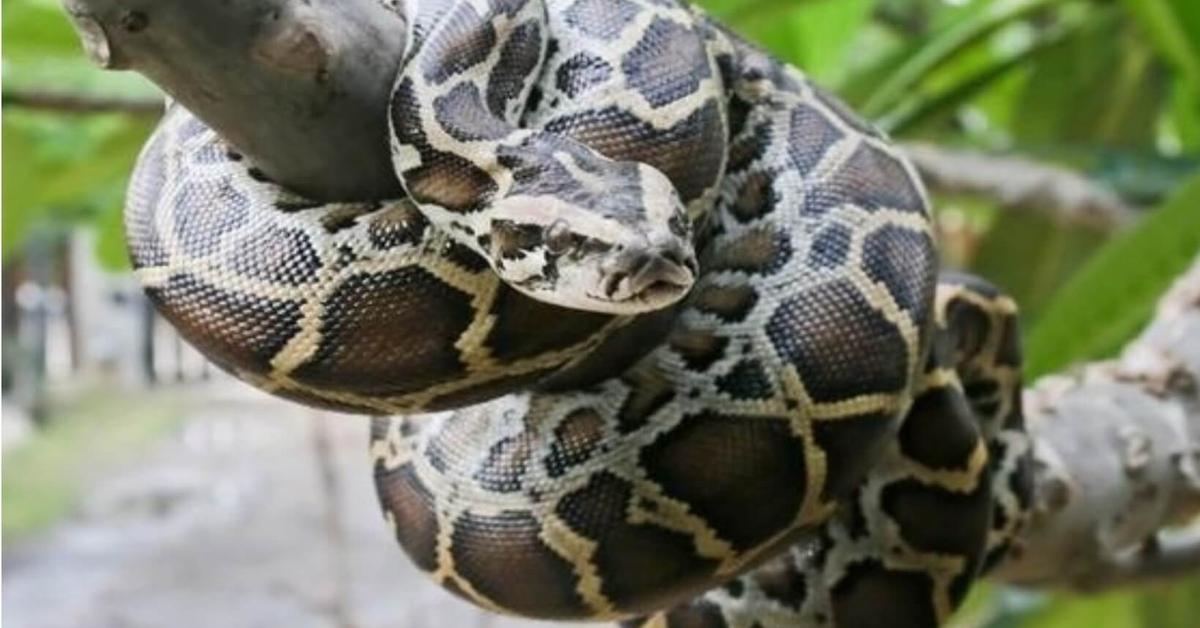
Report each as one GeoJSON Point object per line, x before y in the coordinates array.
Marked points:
{"type": "Point", "coordinates": [45, 475]}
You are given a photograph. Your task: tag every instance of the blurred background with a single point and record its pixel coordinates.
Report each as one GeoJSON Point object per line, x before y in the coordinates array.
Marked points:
{"type": "Point", "coordinates": [1061, 139]}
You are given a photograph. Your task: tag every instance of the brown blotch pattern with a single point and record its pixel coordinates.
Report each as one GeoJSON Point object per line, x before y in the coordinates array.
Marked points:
{"type": "Point", "coordinates": [575, 440]}
{"type": "Point", "coordinates": [367, 344]}
{"type": "Point", "coordinates": [412, 507]}
{"type": "Point", "coordinates": [503, 558]}
{"type": "Point", "coordinates": [744, 475]}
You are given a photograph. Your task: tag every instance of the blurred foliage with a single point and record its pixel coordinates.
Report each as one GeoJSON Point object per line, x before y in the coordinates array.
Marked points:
{"type": "Point", "coordinates": [1110, 88]}
{"type": "Point", "coordinates": [1113, 296]}
{"type": "Point", "coordinates": [63, 169]}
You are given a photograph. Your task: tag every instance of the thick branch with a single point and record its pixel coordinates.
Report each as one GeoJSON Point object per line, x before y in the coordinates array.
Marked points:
{"type": "Point", "coordinates": [80, 103]}
{"type": "Point", "coordinates": [1019, 183]}
{"type": "Point", "coordinates": [300, 86]}
{"type": "Point", "coordinates": [1117, 449]}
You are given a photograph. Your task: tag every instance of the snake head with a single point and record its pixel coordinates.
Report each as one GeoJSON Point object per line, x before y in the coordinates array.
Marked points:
{"type": "Point", "coordinates": [625, 249]}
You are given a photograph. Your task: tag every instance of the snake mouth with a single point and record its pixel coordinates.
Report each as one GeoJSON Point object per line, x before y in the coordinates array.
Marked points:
{"type": "Point", "coordinates": [655, 278]}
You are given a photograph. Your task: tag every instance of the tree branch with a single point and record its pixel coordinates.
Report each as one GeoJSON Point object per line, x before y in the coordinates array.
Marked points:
{"type": "Point", "coordinates": [1117, 459]}
{"type": "Point", "coordinates": [1019, 183]}
{"type": "Point", "coordinates": [301, 87]}
{"type": "Point", "coordinates": [80, 103]}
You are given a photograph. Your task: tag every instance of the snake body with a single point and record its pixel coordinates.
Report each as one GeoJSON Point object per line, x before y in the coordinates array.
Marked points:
{"type": "Point", "coordinates": [683, 304]}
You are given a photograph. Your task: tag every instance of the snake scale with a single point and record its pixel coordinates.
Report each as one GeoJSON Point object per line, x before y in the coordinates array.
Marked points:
{"type": "Point", "coordinates": [682, 304]}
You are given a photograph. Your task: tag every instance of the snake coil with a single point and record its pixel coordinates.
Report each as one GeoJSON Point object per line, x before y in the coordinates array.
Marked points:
{"type": "Point", "coordinates": [683, 304]}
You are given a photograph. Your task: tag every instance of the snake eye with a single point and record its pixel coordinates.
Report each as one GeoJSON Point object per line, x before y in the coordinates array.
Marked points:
{"type": "Point", "coordinates": [678, 225]}
{"type": "Point", "coordinates": [558, 237]}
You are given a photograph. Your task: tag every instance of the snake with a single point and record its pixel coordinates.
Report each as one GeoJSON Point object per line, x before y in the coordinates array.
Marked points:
{"type": "Point", "coordinates": [656, 333]}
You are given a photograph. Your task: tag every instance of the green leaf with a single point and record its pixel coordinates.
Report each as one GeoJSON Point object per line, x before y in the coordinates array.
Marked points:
{"type": "Point", "coordinates": [1103, 57]}
{"type": "Point", "coordinates": [42, 53]}
{"type": "Point", "coordinates": [937, 49]}
{"type": "Point", "coordinates": [1113, 296]}
{"type": "Point", "coordinates": [925, 109]}
{"type": "Point", "coordinates": [1032, 253]}
{"type": "Point", "coordinates": [813, 34]}
{"type": "Point", "coordinates": [1174, 28]}
{"type": "Point", "coordinates": [18, 195]}
{"type": "Point", "coordinates": [34, 28]}
{"type": "Point", "coordinates": [64, 170]}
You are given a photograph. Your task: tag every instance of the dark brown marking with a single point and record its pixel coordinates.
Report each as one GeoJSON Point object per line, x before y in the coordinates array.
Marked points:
{"type": "Point", "coordinates": [746, 380]}
{"type": "Point", "coordinates": [462, 114]}
{"type": "Point", "coordinates": [645, 567]}
{"type": "Point", "coordinates": [667, 64]}
{"type": "Point", "coordinates": [649, 391]}
{"type": "Point", "coordinates": [810, 137]}
{"type": "Point", "coordinates": [518, 60]}
{"type": "Point", "coordinates": [852, 445]}
{"type": "Point", "coordinates": [618, 134]}
{"type": "Point", "coordinates": [281, 256]}
{"type": "Point", "coordinates": [505, 560]}
{"type": "Point", "coordinates": [575, 440]}
{"type": "Point", "coordinates": [933, 519]}
{"type": "Point", "coordinates": [830, 247]}
{"type": "Point", "coordinates": [233, 330]}
{"type": "Point", "coordinates": [871, 179]}
{"type": "Point", "coordinates": [871, 595]}
{"type": "Point", "coordinates": [939, 431]}
{"type": "Point", "coordinates": [449, 181]}
{"type": "Point", "coordinates": [397, 225]}
{"type": "Point", "coordinates": [367, 341]}
{"type": "Point", "coordinates": [827, 332]}
{"type": "Point", "coordinates": [759, 250]}
{"type": "Point", "coordinates": [413, 509]}
{"type": "Point", "coordinates": [905, 262]}
{"type": "Point", "coordinates": [729, 303]}
{"type": "Point", "coordinates": [463, 40]}
{"type": "Point", "coordinates": [516, 314]}
{"type": "Point", "coordinates": [744, 475]}
{"type": "Point", "coordinates": [507, 463]}
{"type": "Point", "coordinates": [577, 75]}
{"type": "Point", "coordinates": [206, 211]}
{"type": "Point", "coordinates": [757, 197]}
{"type": "Point", "coordinates": [780, 581]}
{"type": "Point", "coordinates": [699, 349]}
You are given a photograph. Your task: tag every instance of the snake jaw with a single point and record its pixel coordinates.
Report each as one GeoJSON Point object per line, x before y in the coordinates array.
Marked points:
{"type": "Point", "coordinates": [647, 279]}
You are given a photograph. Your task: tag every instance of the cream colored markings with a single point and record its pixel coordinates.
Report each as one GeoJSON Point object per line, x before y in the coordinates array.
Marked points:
{"type": "Point", "coordinates": [1016, 443]}
{"type": "Point", "coordinates": [670, 114]}
{"type": "Point", "coordinates": [313, 295]}
{"type": "Point", "coordinates": [619, 94]}
{"type": "Point", "coordinates": [480, 153]}
{"type": "Point", "coordinates": [579, 550]}
{"type": "Point", "coordinates": [480, 364]}
{"type": "Point", "coordinates": [165, 206]}
{"type": "Point", "coordinates": [393, 450]}
{"type": "Point", "coordinates": [953, 480]}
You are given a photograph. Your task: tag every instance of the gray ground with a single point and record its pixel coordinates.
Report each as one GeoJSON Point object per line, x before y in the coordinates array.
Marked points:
{"type": "Point", "coordinates": [236, 520]}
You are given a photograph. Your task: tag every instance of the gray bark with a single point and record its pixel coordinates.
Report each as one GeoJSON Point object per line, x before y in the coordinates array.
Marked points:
{"type": "Point", "coordinates": [1117, 451]}
{"type": "Point", "coordinates": [299, 86]}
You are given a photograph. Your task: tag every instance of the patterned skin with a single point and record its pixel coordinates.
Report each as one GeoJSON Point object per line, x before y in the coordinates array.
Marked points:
{"type": "Point", "coordinates": [756, 388]}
